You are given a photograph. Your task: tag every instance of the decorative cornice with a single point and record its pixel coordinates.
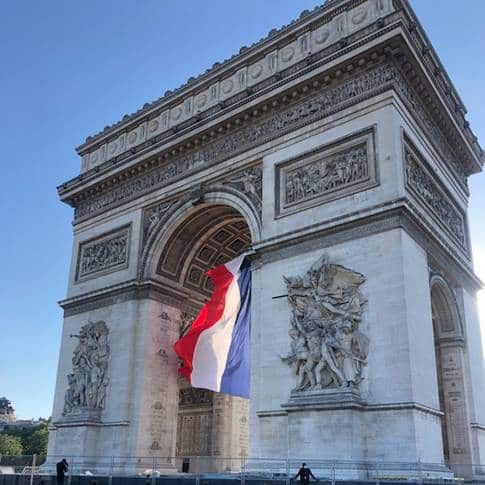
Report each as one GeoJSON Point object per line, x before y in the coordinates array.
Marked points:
{"type": "Point", "coordinates": [129, 290]}
{"type": "Point", "coordinates": [75, 424]}
{"type": "Point", "coordinates": [287, 113]}
{"type": "Point", "coordinates": [313, 100]}
{"type": "Point", "coordinates": [278, 39]}
{"type": "Point", "coordinates": [329, 28]}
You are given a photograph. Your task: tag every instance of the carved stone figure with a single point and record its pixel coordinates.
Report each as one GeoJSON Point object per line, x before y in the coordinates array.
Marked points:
{"type": "Point", "coordinates": [89, 377]}
{"type": "Point", "coordinates": [327, 348]}
{"type": "Point", "coordinates": [249, 182]}
{"type": "Point", "coordinates": [327, 174]}
{"type": "Point", "coordinates": [430, 193]}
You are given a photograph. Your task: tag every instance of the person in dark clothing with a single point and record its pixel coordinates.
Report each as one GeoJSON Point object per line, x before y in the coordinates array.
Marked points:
{"type": "Point", "coordinates": [62, 467]}
{"type": "Point", "coordinates": [304, 473]}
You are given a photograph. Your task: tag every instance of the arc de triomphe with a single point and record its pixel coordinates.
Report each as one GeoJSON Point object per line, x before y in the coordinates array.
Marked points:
{"type": "Point", "coordinates": [336, 152]}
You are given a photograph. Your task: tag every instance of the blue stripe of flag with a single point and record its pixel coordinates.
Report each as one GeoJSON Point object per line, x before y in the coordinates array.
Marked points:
{"type": "Point", "coordinates": [235, 379]}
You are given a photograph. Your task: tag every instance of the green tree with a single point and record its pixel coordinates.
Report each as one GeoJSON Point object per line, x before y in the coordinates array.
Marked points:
{"type": "Point", "coordinates": [35, 442]}
{"type": "Point", "coordinates": [10, 445]}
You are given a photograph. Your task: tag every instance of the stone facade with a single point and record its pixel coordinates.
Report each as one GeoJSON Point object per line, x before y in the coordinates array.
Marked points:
{"type": "Point", "coordinates": [327, 155]}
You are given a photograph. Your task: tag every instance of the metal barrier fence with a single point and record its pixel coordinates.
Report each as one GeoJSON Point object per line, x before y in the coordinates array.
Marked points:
{"type": "Point", "coordinates": [202, 470]}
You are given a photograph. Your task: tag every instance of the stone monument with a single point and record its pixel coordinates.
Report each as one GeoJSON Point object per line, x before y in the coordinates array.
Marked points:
{"type": "Point", "coordinates": [336, 153]}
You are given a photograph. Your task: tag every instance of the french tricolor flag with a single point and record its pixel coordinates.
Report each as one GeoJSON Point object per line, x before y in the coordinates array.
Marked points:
{"type": "Point", "coordinates": [215, 350]}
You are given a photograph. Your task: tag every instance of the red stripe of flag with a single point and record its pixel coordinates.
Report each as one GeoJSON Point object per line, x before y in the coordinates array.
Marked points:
{"type": "Point", "coordinates": [210, 314]}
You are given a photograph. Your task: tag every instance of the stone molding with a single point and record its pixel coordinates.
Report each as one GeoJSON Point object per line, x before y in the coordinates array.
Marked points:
{"type": "Point", "coordinates": [360, 225]}
{"type": "Point", "coordinates": [316, 33]}
{"type": "Point", "coordinates": [344, 167]}
{"type": "Point", "coordinates": [103, 254]}
{"type": "Point", "coordinates": [74, 424]}
{"type": "Point", "coordinates": [116, 294]}
{"type": "Point", "coordinates": [261, 126]}
{"type": "Point", "coordinates": [356, 405]}
{"type": "Point", "coordinates": [478, 426]}
{"type": "Point", "coordinates": [396, 214]}
{"type": "Point", "coordinates": [274, 125]}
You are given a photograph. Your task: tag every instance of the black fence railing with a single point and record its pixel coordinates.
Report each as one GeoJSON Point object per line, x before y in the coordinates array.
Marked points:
{"type": "Point", "coordinates": [210, 470]}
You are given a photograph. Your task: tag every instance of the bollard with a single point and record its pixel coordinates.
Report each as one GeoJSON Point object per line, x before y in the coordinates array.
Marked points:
{"type": "Point", "coordinates": [154, 466]}
{"type": "Point", "coordinates": [110, 473]}
{"type": "Point", "coordinates": [32, 469]}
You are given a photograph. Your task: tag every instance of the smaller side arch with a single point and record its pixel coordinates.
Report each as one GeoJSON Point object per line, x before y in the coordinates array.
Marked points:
{"type": "Point", "coordinates": [446, 316]}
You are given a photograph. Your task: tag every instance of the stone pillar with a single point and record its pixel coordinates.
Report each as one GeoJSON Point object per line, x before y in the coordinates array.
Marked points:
{"type": "Point", "coordinates": [138, 416]}
{"type": "Point", "coordinates": [155, 399]}
{"type": "Point", "coordinates": [392, 412]}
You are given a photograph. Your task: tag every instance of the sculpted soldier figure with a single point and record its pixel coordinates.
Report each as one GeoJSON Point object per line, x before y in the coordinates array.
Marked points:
{"type": "Point", "coordinates": [89, 377]}
{"type": "Point", "coordinates": [353, 350]}
{"type": "Point", "coordinates": [314, 357]}
{"type": "Point", "coordinates": [327, 349]}
{"type": "Point", "coordinates": [328, 361]}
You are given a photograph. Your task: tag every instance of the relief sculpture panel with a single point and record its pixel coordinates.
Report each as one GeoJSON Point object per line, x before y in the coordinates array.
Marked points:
{"type": "Point", "coordinates": [103, 254]}
{"type": "Point", "coordinates": [430, 192]}
{"type": "Point", "coordinates": [327, 347]}
{"type": "Point", "coordinates": [88, 379]}
{"type": "Point", "coordinates": [333, 171]}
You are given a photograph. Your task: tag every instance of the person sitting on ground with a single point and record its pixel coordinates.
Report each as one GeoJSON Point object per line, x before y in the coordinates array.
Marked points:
{"type": "Point", "coordinates": [305, 473]}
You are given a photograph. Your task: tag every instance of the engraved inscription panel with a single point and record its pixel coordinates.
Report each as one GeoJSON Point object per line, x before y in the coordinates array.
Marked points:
{"type": "Point", "coordinates": [431, 193]}
{"type": "Point", "coordinates": [103, 254]}
{"type": "Point", "coordinates": [331, 172]}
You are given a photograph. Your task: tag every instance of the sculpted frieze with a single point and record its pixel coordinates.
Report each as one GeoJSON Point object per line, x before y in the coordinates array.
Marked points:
{"type": "Point", "coordinates": [278, 121]}
{"type": "Point", "coordinates": [328, 350]}
{"type": "Point", "coordinates": [335, 170]}
{"type": "Point", "coordinates": [89, 378]}
{"type": "Point", "coordinates": [269, 127]}
{"type": "Point", "coordinates": [106, 253]}
{"type": "Point", "coordinates": [436, 135]}
{"type": "Point", "coordinates": [430, 192]}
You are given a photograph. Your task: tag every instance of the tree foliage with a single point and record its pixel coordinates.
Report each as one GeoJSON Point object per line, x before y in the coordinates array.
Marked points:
{"type": "Point", "coordinates": [32, 441]}
{"type": "Point", "coordinates": [10, 445]}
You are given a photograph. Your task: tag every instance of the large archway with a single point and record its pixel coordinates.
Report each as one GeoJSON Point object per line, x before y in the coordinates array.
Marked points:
{"type": "Point", "coordinates": [449, 345]}
{"type": "Point", "coordinates": [212, 428]}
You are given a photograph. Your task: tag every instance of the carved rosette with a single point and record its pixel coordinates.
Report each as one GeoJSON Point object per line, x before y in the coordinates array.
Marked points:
{"type": "Point", "coordinates": [327, 348]}
{"type": "Point", "coordinates": [88, 379]}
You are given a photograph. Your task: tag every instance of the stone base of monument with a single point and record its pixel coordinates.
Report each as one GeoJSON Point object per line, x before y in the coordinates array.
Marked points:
{"type": "Point", "coordinates": [342, 436]}
{"type": "Point", "coordinates": [325, 398]}
{"type": "Point", "coordinates": [81, 415]}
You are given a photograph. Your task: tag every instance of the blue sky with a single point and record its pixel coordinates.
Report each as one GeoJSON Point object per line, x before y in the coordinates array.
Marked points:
{"type": "Point", "coordinates": [69, 69]}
